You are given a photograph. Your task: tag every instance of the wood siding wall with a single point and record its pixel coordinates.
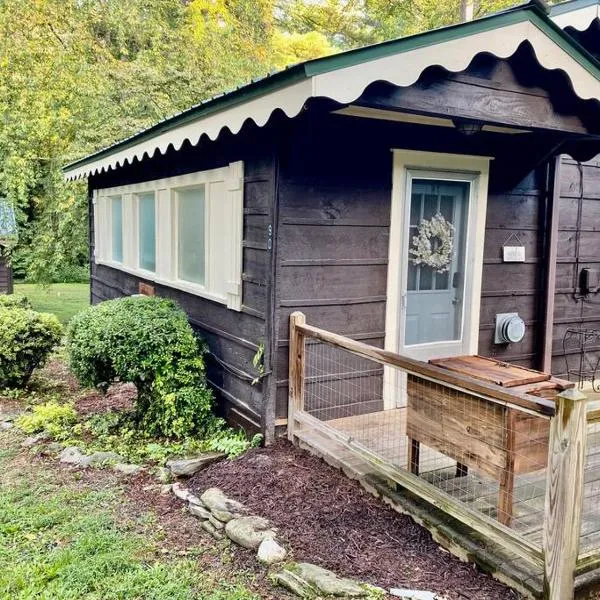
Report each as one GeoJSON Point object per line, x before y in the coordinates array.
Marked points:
{"type": "Point", "coordinates": [578, 248]}
{"type": "Point", "coordinates": [334, 216]}
{"type": "Point", "coordinates": [233, 337]}
{"type": "Point", "coordinates": [6, 279]}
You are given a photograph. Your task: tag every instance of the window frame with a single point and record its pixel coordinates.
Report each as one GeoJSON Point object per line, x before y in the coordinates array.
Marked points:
{"type": "Point", "coordinates": [228, 230]}
{"type": "Point", "coordinates": [138, 234]}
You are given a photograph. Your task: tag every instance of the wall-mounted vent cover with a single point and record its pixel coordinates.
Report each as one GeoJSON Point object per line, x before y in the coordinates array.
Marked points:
{"type": "Point", "coordinates": [510, 328]}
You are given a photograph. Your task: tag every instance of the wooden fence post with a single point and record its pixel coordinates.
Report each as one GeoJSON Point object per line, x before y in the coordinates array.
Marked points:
{"type": "Point", "coordinates": [296, 374]}
{"type": "Point", "coordinates": [564, 494]}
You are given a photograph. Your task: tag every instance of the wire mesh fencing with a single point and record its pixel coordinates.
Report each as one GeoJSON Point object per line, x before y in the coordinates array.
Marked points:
{"type": "Point", "coordinates": [489, 457]}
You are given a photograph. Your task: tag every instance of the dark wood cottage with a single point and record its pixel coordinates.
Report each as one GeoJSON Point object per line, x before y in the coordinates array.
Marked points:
{"type": "Point", "coordinates": [305, 191]}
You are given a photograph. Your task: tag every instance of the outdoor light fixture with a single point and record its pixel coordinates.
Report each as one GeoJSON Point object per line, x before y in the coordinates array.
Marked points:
{"type": "Point", "coordinates": [468, 127]}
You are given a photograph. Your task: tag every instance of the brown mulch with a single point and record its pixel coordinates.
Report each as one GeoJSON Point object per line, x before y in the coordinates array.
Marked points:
{"type": "Point", "coordinates": [331, 521]}
{"type": "Point", "coordinates": [119, 397]}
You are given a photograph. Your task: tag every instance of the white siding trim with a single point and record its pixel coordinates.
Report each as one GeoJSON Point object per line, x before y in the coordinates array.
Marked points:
{"type": "Point", "coordinates": [223, 234]}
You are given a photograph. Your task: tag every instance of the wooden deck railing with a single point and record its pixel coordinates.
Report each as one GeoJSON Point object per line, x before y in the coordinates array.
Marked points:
{"type": "Point", "coordinates": [558, 552]}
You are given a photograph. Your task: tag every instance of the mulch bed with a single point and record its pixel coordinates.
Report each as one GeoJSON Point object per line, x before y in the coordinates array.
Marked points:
{"type": "Point", "coordinates": [119, 397]}
{"type": "Point", "coordinates": [329, 520]}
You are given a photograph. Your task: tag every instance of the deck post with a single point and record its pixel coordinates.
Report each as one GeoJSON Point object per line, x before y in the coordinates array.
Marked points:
{"type": "Point", "coordinates": [296, 374]}
{"type": "Point", "coordinates": [564, 494]}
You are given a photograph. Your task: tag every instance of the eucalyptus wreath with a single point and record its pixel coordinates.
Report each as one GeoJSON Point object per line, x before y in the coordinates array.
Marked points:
{"type": "Point", "coordinates": [433, 244]}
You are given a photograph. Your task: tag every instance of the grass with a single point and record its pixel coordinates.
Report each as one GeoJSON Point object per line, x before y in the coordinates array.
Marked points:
{"type": "Point", "coordinates": [63, 539]}
{"type": "Point", "coordinates": [62, 299]}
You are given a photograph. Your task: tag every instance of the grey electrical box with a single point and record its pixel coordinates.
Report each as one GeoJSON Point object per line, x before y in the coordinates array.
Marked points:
{"type": "Point", "coordinates": [510, 328]}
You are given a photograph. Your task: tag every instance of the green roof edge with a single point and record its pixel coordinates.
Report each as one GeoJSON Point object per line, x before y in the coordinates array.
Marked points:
{"type": "Point", "coordinates": [534, 11]}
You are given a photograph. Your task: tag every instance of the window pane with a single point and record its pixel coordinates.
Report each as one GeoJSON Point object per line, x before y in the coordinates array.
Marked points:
{"type": "Point", "coordinates": [147, 216]}
{"type": "Point", "coordinates": [191, 254]}
{"type": "Point", "coordinates": [117, 229]}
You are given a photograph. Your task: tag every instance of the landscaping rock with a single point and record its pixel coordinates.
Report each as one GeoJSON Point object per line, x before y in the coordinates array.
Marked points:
{"type": "Point", "coordinates": [329, 583]}
{"type": "Point", "coordinates": [180, 492]}
{"type": "Point", "coordinates": [412, 594]}
{"type": "Point", "coordinates": [35, 440]}
{"type": "Point", "coordinates": [6, 425]}
{"type": "Point", "coordinates": [249, 532]}
{"type": "Point", "coordinates": [270, 552]}
{"type": "Point", "coordinates": [127, 469]}
{"type": "Point", "coordinates": [199, 512]}
{"type": "Point", "coordinates": [187, 467]}
{"type": "Point", "coordinates": [218, 525]}
{"type": "Point", "coordinates": [209, 527]}
{"type": "Point", "coordinates": [52, 449]}
{"type": "Point", "coordinates": [101, 459]}
{"type": "Point", "coordinates": [72, 456]}
{"type": "Point", "coordinates": [220, 506]}
{"type": "Point", "coordinates": [192, 499]}
{"type": "Point", "coordinates": [295, 584]}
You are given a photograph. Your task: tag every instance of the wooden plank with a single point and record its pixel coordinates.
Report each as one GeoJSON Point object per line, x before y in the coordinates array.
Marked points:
{"type": "Point", "coordinates": [434, 373]}
{"type": "Point", "coordinates": [296, 377]}
{"type": "Point", "coordinates": [564, 495]}
{"type": "Point", "coordinates": [488, 369]}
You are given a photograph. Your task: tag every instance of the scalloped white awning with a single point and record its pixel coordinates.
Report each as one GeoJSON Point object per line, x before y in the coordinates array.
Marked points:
{"type": "Point", "coordinates": [344, 77]}
{"type": "Point", "coordinates": [578, 14]}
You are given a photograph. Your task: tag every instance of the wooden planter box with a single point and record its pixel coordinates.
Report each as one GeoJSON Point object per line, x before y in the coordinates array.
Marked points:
{"type": "Point", "coordinates": [494, 439]}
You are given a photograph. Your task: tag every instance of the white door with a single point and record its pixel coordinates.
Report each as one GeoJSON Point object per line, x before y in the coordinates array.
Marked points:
{"type": "Point", "coordinates": [433, 296]}
{"type": "Point", "coordinates": [433, 311]}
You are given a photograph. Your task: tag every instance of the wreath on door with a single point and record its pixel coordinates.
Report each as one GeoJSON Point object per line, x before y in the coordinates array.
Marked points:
{"type": "Point", "coordinates": [433, 244]}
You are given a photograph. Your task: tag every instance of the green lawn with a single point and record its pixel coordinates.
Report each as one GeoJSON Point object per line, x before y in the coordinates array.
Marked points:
{"type": "Point", "coordinates": [62, 299]}
{"type": "Point", "coordinates": [64, 536]}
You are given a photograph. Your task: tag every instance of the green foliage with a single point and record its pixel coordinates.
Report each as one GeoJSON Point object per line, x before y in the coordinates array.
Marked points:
{"type": "Point", "coordinates": [64, 540]}
{"type": "Point", "coordinates": [149, 342]}
{"type": "Point", "coordinates": [14, 301]}
{"type": "Point", "coordinates": [50, 416]}
{"type": "Point", "coordinates": [26, 339]}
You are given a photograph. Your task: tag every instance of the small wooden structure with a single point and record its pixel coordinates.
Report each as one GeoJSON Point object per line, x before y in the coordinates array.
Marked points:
{"type": "Point", "coordinates": [6, 279]}
{"type": "Point", "coordinates": [506, 443]}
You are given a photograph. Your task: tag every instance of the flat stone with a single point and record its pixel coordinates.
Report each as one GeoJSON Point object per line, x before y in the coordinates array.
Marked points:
{"type": "Point", "coordinates": [270, 552]}
{"type": "Point", "coordinates": [295, 584]}
{"type": "Point", "coordinates": [209, 527]}
{"type": "Point", "coordinates": [218, 525]}
{"type": "Point", "coordinates": [199, 512]}
{"type": "Point", "coordinates": [6, 425]}
{"type": "Point", "coordinates": [222, 507]}
{"type": "Point", "coordinates": [193, 499]}
{"type": "Point", "coordinates": [101, 459]}
{"type": "Point", "coordinates": [188, 466]}
{"type": "Point", "coordinates": [72, 456]}
{"type": "Point", "coordinates": [180, 492]}
{"type": "Point", "coordinates": [127, 469]}
{"type": "Point", "coordinates": [35, 440]}
{"type": "Point", "coordinates": [328, 582]}
{"type": "Point", "coordinates": [52, 448]}
{"type": "Point", "coordinates": [249, 532]}
{"type": "Point", "coordinates": [412, 594]}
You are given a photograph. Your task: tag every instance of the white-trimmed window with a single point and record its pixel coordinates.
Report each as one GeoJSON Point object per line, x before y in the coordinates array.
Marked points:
{"type": "Point", "coordinates": [184, 232]}
{"type": "Point", "coordinates": [116, 219]}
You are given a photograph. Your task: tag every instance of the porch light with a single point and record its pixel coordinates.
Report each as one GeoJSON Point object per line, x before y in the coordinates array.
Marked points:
{"type": "Point", "coordinates": [468, 127]}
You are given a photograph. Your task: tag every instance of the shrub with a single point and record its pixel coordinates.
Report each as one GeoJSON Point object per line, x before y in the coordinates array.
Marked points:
{"type": "Point", "coordinates": [26, 339]}
{"type": "Point", "coordinates": [149, 342]}
{"type": "Point", "coordinates": [14, 301]}
{"type": "Point", "coordinates": [51, 417]}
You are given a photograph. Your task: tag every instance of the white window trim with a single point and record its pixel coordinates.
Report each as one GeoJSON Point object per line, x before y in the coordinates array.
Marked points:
{"type": "Point", "coordinates": [165, 192]}
{"type": "Point", "coordinates": [474, 168]}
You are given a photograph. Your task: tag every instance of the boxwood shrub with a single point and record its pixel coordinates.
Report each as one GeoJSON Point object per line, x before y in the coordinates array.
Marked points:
{"type": "Point", "coordinates": [26, 339]}
{"type": "Point", "coordinates": [14, 300]}
{"type": "Point", "coordinates": [146, 341]}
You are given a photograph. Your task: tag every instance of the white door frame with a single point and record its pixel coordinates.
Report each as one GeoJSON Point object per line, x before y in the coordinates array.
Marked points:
{"type": "Point", "coordinates": [470, 168]}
